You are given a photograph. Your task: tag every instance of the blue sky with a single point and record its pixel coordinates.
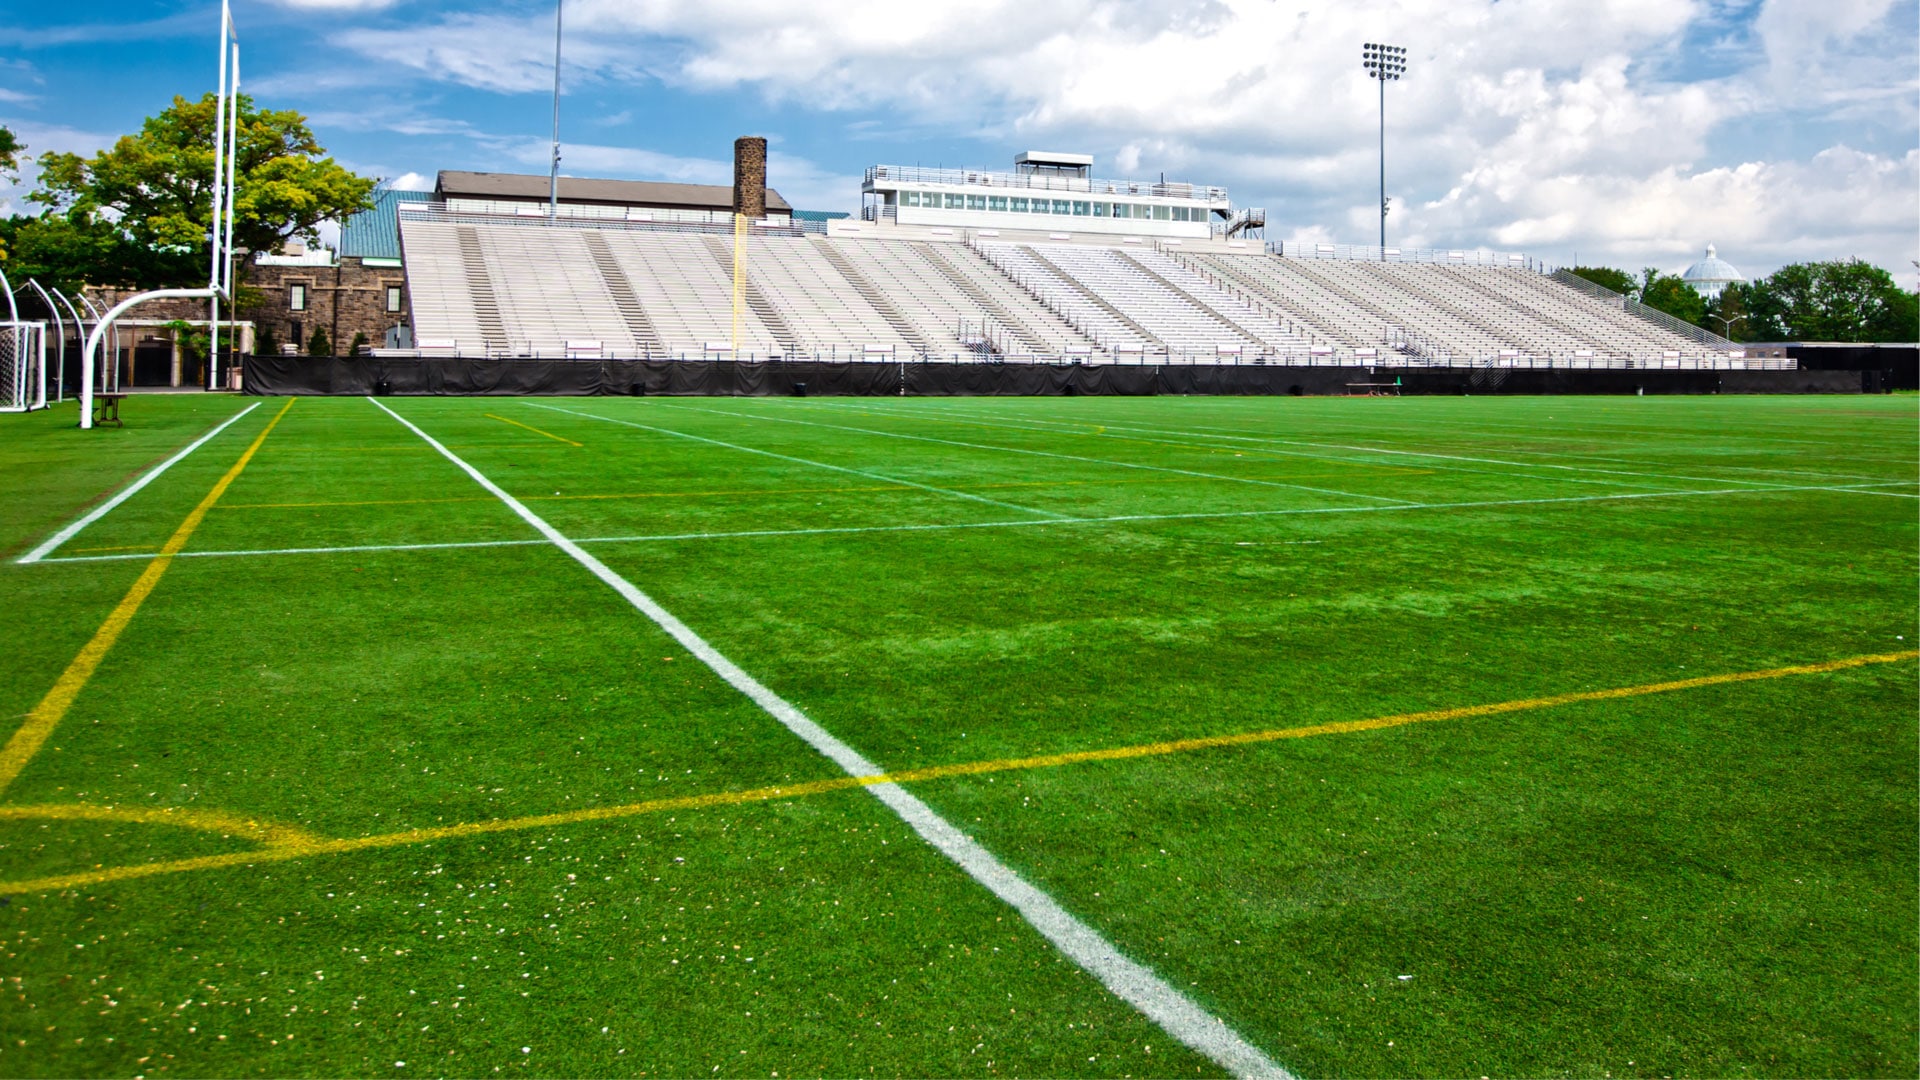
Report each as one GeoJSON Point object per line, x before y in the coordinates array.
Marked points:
{"type": "Point", "coordinates": [1626, 132]}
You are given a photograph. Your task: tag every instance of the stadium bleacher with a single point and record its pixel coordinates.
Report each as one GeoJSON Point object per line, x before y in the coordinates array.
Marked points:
{"type": "Point", "coordinates": [515, 285]}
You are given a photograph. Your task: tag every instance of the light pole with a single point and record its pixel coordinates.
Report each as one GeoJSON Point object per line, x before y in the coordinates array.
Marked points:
{"type": "Point", "coordinates": [553, 177]}
{"type": "Point", "coordinates": [1383, 63]}
{"type": "Point", "coordinates": [1726, 323]}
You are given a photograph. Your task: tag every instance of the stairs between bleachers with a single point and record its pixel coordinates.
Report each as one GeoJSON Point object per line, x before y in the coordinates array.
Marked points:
{"type": "Point", "coordinates": [782, 333]}
{"type": "Point", "coordinates": [937, 255]}
{"type": "Point", "coordinates": [486, 308]}
{"type": "Point", "coordinates": [1206, 309]}
{"type": "Point", "coordinates": [880, 301]}
{"type": "Point", "coordinates": [624, 300]}
{"type": "Point", "coordinates": [1046, 266]}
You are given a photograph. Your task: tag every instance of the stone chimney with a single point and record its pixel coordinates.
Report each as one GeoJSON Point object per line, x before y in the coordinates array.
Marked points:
{"type": "Point", "coordinates": [750, 177]}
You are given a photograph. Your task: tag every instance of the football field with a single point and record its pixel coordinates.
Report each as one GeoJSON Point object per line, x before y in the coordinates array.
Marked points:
{"type": "Point", "coordinates": [1038, 736]}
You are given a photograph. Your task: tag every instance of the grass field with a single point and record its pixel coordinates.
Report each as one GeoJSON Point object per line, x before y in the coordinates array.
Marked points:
{"type": "Point", "coordinates": [1489, 736]}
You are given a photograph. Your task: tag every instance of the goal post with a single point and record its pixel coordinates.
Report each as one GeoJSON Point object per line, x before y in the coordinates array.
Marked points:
{"type": "Point", "coordinates": [23, 366]}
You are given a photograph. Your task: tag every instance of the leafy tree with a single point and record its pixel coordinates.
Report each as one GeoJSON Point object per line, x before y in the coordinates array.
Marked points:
{"type": "Point", "coordinates": [1728, 316]}
{"type": "Point", "coordinates": [1671, 294]}
{"type": "Point", "coordinates": [10, 148]}
{"type": "Point", "coordinates": [157, 186]}
{"type": "Point", "coordinates": [1842, 300]}
{"type": "Point", "coordinates": [67, 251]}
{"type": "Point", "coordinates": [359, 342]}
{"type": "Point", "coordinates": [265, 344]}
{"type": "Point", "coordinates": [318, 344]}
{"type": "Point", "coordinates": [1618, 280]}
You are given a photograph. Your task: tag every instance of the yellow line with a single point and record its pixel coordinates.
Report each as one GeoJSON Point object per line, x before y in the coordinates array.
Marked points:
{"type": "Point", "coordinates": [297, 848]}
{"type": "Point", "coordinates": [41, 721]}
{"type": "Point", "coordinates": [246, 828]}
{"type": "Point", "coordinates": [531, 428]}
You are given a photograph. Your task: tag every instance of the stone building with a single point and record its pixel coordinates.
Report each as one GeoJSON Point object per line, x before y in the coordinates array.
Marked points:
{"type": "Point", "coordinates": [358, 292]}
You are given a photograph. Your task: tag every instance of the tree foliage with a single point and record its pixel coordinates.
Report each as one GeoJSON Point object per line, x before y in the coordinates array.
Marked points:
{"type": "Point", "coordinates": [10, 148]}
{"type": "Point", "coordinates": [71, 250]}
{"type": "Point", "coordinates": [1671, 294]}
{"type": "Point", "coordinates": [155, 188]}
{"type": "Point", "coordinates": [1841, 300]}
{"type": "Point", "coordinates": [1607, 277]}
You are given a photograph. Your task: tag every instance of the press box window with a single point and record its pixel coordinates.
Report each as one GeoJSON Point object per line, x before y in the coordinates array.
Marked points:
{"type": "Point", "coordinates": [997, 202]}
{"type": "Point", "coordinates": [297, 297]}
{"type": "Point", "coordinates": [393, 298]}
{"type": "Point", "coordinates": [976, 202]}
{"type": "Point", "coordinates": [956, 202]}
{"type": "Point", "coordinates": [1019, 206]}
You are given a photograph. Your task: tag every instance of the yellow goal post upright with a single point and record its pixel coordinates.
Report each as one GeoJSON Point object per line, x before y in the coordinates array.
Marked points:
{"type": "Point", "coordinates": [749, 206]}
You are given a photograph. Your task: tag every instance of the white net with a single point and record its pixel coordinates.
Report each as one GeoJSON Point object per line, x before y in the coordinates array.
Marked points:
{"type": "Point", "coordinates": [23, 361]}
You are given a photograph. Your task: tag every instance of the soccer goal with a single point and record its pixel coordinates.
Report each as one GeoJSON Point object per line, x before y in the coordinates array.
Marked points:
{"type": "Point", "coordinates": [23, 366]}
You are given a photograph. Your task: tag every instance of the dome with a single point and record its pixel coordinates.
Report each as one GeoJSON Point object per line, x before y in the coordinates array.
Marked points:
{"type": "Point", "coordinates": [1711, 275]}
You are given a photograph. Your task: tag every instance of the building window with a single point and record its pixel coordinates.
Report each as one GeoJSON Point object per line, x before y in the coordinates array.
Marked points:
{"type": "Point", "coordinates": [1039, 206]}
{"type": "Point", "coordinates": [1062, 206]}
{"type": "Point", "coordinates": [297, 297]}
{"type": "Point", "coordinates": [1081, 209]}
{"type": "Point", "coordinates": [1100, 209]}
{"type": "Point", "coordinates": [1019, 206]}
{"type": "Point", "coordinates": [1160, 213]}
{"type": "Point", "coordinates": [997, 202]}
{"type": "Point", "coordinates": [393, 298]}
{"type": "Point", "coordinates": [956, 202]}
{"type": "Point", "coordinates": [976, 202]}
{"type": "Point", "coordinates": [909, 198]}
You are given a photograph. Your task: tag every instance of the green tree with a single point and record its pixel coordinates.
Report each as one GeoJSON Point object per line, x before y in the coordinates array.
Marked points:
{"type": "Point", "coordinates": [10, 154]}
{"type": "Point", "coordinates": [1618, 280]}
{"type": "Point", "coordinates": [1668, 293]}
{"type": "Point", "coordinates": [1728, 316]}
{"type": "Point", "coordinates": [157, 186]}
{"type": "Point", "coordinates": [1841, 300]}
{"type": "Point", "coordinates": [71, 250]}
{"type": "Point", "coordinates": [359, 342]}
{"type": "Point", "coordinates": [318, 344]}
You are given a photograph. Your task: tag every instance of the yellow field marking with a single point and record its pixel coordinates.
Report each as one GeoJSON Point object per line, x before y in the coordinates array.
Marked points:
{"type": "Point", "coordinates": [265, 832]}
{"type": "Point", "coordinates": [45, 716]}
{"type": "Point", "coordinates": [296, 848]}
{"type": "Point", "coordinates": [530, 427]}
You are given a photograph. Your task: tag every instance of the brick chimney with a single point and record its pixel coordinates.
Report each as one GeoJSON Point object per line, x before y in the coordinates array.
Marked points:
{"type": "Point", "coordinates": [750, 177]}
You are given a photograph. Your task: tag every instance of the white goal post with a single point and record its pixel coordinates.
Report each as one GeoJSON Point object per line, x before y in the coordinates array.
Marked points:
{"type": "Point", "coordinates": [23, 366]}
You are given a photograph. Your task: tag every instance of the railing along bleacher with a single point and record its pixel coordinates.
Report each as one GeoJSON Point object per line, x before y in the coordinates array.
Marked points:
{"type": "Point", "coordinates": [437, 213]}
{"type": "Point", "coordinates": [1441, 256]}
{"type": "Point", "coordinates": [914, 174]}
{"type": "Point", "coordinates": [1653, 315]}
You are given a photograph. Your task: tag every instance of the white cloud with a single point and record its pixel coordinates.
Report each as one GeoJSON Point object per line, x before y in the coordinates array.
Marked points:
{"type": "Point", "coordinates": [1522, 122]}
{"type": "Point", "coordinates": [411, 181]}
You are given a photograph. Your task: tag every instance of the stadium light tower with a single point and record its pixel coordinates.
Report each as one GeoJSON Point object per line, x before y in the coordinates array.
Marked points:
{"type": "Point", "coordinates": [1384, 63]}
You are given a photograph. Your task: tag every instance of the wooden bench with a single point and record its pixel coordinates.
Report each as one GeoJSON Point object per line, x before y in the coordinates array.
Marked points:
{"type": "Point", "coordinates": [1373, 389]}
{"type": "Point", "coordinates": [106, 409]}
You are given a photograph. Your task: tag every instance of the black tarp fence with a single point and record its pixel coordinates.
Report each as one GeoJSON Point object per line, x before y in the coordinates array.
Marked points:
{"type": "Point", "coordinates": [361, 375]}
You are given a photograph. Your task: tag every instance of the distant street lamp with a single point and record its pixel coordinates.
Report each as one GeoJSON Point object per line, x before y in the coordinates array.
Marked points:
{"type": "Point", "coordinates": [1726, 324]}
{"type": "Point", "coordinates": [1383, 63]}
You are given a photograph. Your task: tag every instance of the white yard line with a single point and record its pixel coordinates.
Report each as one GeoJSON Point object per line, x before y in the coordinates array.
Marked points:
{"type": "Point", "coordinates": [1117, 519]}
{"type": "Point", "coordinates": [1130, 981]}
{"type": "Point", "coordinates": [801, 461]}
{"type": "Point", "coordinates": [1757, 484]}
{"type": "Point", "coordinates": [98, 512]}
{"type": "Point", "coordinates": [1047, 454]}
{"type": "Point", "coordinates": [1067, 427]}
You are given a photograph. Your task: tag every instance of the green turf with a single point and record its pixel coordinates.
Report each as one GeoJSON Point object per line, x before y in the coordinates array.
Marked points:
{"type": "Point", "coordinates": [1714, 881]}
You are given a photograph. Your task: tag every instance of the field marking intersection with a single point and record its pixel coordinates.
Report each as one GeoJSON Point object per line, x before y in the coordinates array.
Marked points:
{"type": "Point", "coordinates": [48, 545]}
{"type": "Point", "coordinates": [34, 731]}
{"type": "Point", "coordinates": [1132, 982]}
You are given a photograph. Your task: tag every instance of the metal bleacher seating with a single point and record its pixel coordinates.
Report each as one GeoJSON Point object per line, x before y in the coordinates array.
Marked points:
{"type": "Point", "coordinates": [510, 288]}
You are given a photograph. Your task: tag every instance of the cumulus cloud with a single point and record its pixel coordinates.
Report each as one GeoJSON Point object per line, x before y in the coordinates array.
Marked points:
{"type": "Point", "coordinates": [1522, 122]}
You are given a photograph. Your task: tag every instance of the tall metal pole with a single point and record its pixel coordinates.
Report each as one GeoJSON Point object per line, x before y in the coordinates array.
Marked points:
{"type": "Point", "coordinates": [553, 178]}
{"type": "Point", "coordinates": [1383, 62]}
{"type": "Point", "coordinates": [219, 180]}
{"type": "Point", "coordinates": [226, 251]}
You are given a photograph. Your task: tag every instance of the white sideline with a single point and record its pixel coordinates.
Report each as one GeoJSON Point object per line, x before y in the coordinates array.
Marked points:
{"type": "Point", "coordinates": [802, 461]}
{"type": "Point", "coordinates": [1117, 519]}
{"type": "Point", "coordinates": [1130, 981]}
{"type": "Point", "coordinates": [98, 512]}
{"type": "Point", "coordinates": [1048, 454]}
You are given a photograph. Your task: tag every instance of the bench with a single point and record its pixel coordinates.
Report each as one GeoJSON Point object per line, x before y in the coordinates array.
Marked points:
{"type": "Point", "coordinates": [106, 409]}
{"type": "Point", "coordinates": [1373, 389]}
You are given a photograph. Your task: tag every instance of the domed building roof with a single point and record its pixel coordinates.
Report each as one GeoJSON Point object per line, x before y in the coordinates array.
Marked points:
{"type": "Point", "coordinates": [1711, 275]}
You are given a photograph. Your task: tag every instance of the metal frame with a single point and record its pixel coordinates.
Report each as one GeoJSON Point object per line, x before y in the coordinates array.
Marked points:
{"type": "Point", "coordinates": [220, 262]}
{"type": "Point", "coordinates": [1384, 64]}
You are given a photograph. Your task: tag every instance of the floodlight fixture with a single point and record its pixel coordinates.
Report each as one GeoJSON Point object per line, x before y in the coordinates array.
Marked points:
{"type": "Point", "coordinates": [1383, 63]}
